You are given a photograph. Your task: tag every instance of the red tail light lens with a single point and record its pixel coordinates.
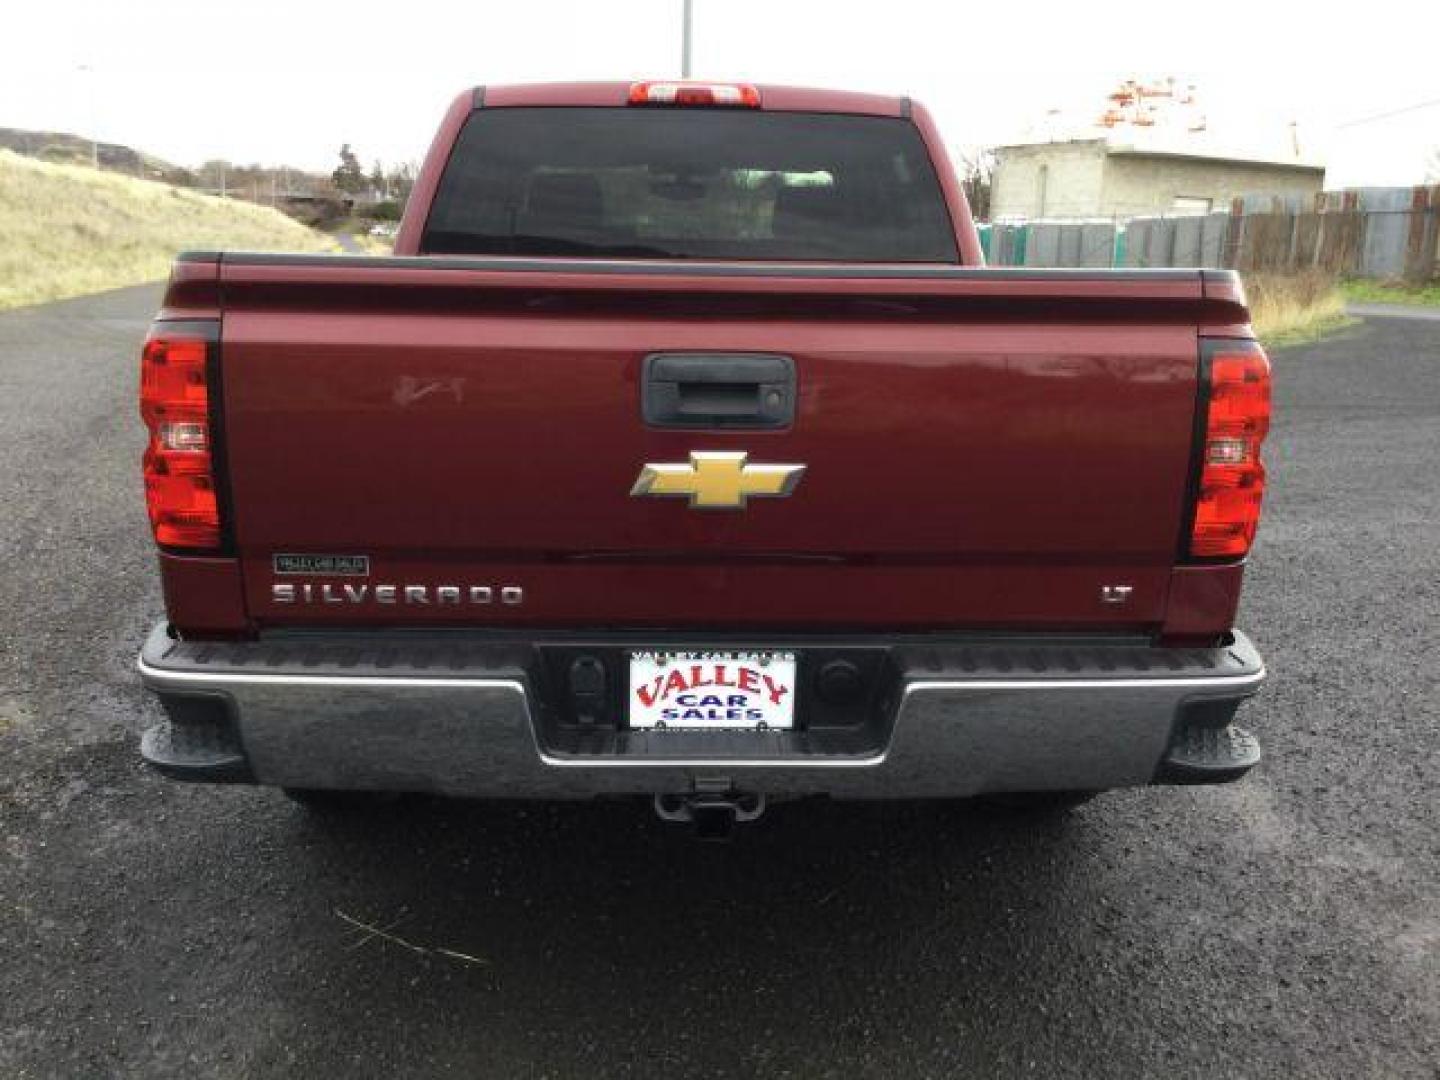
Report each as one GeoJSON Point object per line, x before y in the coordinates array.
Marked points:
{"type": "Point", "coordinates": [1232, 477]}
{"type": "Point", "coordinates": [175, 405]}
{"type": "Point", "coordinates": [732, 95]}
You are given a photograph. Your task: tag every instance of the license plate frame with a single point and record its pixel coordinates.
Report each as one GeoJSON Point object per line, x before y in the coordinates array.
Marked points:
{"type": "Point", "coordinates": [711, 689]}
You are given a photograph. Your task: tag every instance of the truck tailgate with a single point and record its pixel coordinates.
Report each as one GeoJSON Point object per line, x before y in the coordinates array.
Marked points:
{"type": "Point", "coordinates": [981, 449]}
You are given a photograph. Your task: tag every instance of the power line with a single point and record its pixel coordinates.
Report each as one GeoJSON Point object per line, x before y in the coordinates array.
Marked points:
{"type": "Point", "coordinates": [1393, 112]}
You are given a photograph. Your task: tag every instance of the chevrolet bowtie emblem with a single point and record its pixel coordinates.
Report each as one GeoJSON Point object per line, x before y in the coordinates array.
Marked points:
{"type": "Point", "coordinates": [717, 480]}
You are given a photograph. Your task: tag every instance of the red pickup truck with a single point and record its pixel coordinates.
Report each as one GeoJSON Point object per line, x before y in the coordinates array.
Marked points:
{"type": "Point", "coordinates": [686, 448]}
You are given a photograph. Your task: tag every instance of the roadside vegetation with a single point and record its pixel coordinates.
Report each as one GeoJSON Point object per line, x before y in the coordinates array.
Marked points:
{"type": "Point", "coordinates": [1288, 309]}
{"type": "Point", "coordinates": [376, 245]}
{"type": "Point", "coordinates": [1391, 292]}
{"type": "Point", "coordinates": [67, 230]}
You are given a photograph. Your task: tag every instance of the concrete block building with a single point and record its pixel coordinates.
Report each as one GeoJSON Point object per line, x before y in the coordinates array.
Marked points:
{"type": "Point", "coordinates": [1102, 178]}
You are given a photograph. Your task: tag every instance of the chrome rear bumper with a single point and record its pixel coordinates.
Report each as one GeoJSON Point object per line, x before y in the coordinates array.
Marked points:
{"type": "Point", "coordinates": [465, 719]}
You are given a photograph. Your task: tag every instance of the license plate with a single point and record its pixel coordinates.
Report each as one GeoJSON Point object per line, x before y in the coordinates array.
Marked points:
{"type": "Point", "coordinates": [720, 691]}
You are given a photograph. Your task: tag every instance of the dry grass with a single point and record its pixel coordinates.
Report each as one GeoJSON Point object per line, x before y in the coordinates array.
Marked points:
{"type": "Point", "coordinates": [375, 245]}
{"type": "Point", "coordinates": [66, 230]}
{"type": "Point", "coordinates": [1290, 308]}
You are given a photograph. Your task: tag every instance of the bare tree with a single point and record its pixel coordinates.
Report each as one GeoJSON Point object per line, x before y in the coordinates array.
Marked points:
{"type": "Point", "coordinates": [977, 169]}
{"type": "Point", "coordinates": [401, 179]}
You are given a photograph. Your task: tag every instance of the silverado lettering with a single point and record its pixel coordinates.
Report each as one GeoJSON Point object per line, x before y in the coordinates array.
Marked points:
{"type": "Point", "coordinates": [288, 592]}
{"type": "Point", "coordinates": [805, 499]}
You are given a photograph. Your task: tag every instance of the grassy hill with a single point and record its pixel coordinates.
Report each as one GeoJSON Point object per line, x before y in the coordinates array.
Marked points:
{"type": "Point", "coordinates": [65, 148]}
{"type": "Point", "coordinates": [66, 230]}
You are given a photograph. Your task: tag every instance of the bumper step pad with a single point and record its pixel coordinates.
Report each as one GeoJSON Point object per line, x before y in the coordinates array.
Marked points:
{"type": "Point", "coordinates": [197, 741]}
{"type": "Point", "coordinates": [1210, 755]}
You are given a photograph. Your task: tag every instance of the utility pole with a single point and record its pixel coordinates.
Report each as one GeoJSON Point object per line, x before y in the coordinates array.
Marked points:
{"type": "Point", "coordinates": [687, 26]}
{"type": "Point", "coordinates": [87, 70]}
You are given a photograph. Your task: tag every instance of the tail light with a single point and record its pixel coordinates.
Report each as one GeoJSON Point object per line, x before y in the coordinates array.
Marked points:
{"type": "Point", "coordinates": [1231, 481]}
{"type": "Point", "coordinates": [732, 95]}
{"type": "Point", "coordinates": [175, 403]}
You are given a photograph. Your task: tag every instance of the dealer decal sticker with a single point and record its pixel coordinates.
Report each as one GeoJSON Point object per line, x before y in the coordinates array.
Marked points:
{"type": "Point", "coordinates": [712, 690]}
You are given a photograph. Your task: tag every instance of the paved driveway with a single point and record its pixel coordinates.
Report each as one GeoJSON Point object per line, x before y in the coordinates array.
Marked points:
{"type": "Point", "coordinates": [1288, 925]}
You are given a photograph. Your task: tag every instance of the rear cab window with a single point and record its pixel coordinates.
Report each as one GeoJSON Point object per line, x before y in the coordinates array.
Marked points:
{"type": "Point", "coordinates": [690, 183]}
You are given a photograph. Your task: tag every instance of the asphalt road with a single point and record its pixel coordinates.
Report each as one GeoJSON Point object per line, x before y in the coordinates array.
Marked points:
{"type": "Point", "coordinates": [1393, 311]}
{"type": "Point", "coordinates": [1288, 925]}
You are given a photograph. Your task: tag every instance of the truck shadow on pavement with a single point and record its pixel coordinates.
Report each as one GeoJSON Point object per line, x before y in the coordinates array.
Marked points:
{"type": "Point", "coordinates": [596, 926]}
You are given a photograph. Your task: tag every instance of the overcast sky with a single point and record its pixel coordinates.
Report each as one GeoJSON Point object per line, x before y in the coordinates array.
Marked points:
{"type": "Point", "coordinates": [285, 83]}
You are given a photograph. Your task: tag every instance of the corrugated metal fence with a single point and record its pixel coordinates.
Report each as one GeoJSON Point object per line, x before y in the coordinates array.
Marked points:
{"type": "Point", "coordinates": [1367, 232]}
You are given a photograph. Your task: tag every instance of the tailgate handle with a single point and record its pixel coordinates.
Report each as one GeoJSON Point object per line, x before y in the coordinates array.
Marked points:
{"type": "Point", "coordinates": [718, 390]}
